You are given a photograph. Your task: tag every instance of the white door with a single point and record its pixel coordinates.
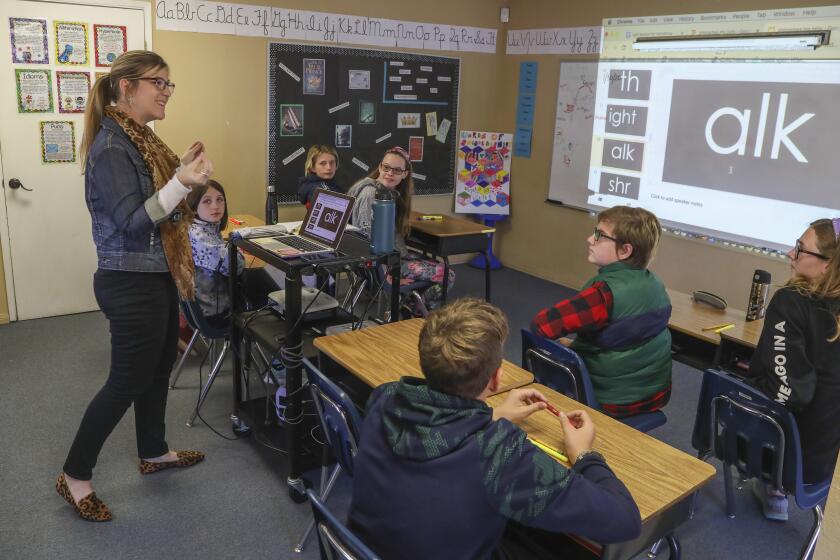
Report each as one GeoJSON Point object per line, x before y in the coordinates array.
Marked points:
{"type": "Point", "coordinates": [48, 252]}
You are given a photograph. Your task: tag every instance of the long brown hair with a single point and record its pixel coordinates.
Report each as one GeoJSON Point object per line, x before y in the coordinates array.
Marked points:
{"type": "Point", "coordinates": [198, 191]}
{"type": "Point", "coordinates": [106, 90]}
{"type": "Point", "coordinates": [405, 188]}
{"type": "Point", "coordinates": [828, 285]}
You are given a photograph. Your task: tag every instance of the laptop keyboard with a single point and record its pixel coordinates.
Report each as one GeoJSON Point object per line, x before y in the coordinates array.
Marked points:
{"type": "Point", "coordinates": [300, 243]}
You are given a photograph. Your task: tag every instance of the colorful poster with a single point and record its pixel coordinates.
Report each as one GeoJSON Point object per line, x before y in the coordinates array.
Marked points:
{"type": "Point", "coordinates": [34, 91]}
{"type": "Point", "coordinates": [71, 42]}
{"type": "Point", "coordinates": [73, 88]}
{"type": "Point", "coordinates": [29, 41]}
{"type": "Point", "coordinates": [431, 124]}
{"type": "Point", "coordinates": [313, 76]}
{"type": "Point", "coordinates": [109, 42]}
{"type": "Point", "coordinates": [359, 79]}
{"type": "Point", "coordinates": [343, 136]}
{"type": "Point", "coordinates": [415, 148]}
{"type": "Point", "coordinates": [58, 142]}
{"type": "Point", "coordinates": [408, 120]}
{"type": "Point", "coordinates": [367, 112]}
{"type": "Point", "coordinates": [291, 120]}
{"type": "Point", "coordinates": [482, 179]}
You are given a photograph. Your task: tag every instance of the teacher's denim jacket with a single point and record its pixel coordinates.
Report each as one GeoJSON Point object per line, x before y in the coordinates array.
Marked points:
{"type": "Point", "coordinates": [124, 207]}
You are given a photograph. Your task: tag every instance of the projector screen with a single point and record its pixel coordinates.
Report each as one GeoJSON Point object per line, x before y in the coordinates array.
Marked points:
{"type": "Point", "coordinates": [746, 151]}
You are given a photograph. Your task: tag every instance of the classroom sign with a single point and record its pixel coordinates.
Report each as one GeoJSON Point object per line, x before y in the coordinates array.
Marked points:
{"type": "Point", "coordinates": [482, 180]}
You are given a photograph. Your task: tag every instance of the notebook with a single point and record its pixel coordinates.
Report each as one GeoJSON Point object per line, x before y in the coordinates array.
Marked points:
{"type": "Point", "coordinates": [321, 230]}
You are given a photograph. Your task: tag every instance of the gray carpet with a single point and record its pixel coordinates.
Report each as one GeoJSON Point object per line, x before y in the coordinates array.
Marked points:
{"type": "Point", "coordinates": [235, 504]}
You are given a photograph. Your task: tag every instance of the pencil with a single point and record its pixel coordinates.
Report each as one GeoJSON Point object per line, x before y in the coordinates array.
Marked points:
{"type": "Point", "coordinates": [550, 451]}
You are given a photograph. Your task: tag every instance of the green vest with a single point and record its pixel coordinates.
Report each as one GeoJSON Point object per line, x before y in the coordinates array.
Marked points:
{"type": "Point", "coordinates": [630, 359]}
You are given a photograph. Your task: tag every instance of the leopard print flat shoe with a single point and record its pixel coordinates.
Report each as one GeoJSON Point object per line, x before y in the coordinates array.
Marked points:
{"type": "Point", "coordinates": [89, 508]}
{"type": "Point", "coordinates": [185, 459]}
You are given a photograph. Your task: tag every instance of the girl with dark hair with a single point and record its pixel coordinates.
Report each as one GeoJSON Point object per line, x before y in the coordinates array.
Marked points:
{"type": "Point", "coordinates": [134, 189]}
{"type": "Point", "coordinates": [394, 172]}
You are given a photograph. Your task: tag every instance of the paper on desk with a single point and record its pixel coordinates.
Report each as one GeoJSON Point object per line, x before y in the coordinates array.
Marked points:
{"type": "Point", "coordinates": [259, 231]}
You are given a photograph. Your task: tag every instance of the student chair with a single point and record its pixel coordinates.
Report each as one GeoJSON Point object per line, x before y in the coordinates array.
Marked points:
{"type": "Point", "coordinates": [334, 538]}
{"type": "Point", "coordinates": [563, 370]}
{"type": "Point", "coordinates": [340, 423]}
{"type": "Point", "coordinates": [379, 287]}
{"type": "Point", "coordinates": [209, 334]}
{"type": "Point", "coordinates": [744, 428]}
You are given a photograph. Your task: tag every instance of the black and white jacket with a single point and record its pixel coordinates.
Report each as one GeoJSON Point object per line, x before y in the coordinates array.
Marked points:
{"type": "Point", "coordinates": [796, 365]}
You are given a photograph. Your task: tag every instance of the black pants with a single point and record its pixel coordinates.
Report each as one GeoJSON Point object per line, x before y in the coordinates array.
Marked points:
{"type": "Point", "coordinates": [142, 309]}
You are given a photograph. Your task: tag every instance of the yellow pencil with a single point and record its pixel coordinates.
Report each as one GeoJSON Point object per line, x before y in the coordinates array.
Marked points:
{"type": "Point", "coordinates": [716, 327]}
{"type": "Point", "coordinates": [723, 328]}
{"type": "Point", "coordinates": [551, 452]}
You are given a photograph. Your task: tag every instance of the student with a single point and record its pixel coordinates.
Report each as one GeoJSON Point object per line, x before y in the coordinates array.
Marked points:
{"type": "Point", "coordinates": [620, 316]}
{"type": "Point", "coordinates": [439, 474]}
{"type": "Point", "coordinates": [797, 359]}
{"type": "Point", "coordinates": [210, 252]}
{"type": "Point", "coordinates": [321, 165]}
{"type": "Point", "coordinates": [394, 172]}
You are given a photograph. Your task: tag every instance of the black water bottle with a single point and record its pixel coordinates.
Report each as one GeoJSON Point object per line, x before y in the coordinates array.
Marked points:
{"type": "Point", "coordinates": [271, 206]}
{"type": "Point", "coordinates": [759, 290]}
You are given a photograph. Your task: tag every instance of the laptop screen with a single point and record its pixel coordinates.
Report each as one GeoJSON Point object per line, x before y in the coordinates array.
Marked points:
{"type": "Point", "coordinates": [327, 217]}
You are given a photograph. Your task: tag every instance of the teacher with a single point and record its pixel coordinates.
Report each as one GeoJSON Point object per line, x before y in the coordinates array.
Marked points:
{"type": "Point", "coordinates": [134, 189]}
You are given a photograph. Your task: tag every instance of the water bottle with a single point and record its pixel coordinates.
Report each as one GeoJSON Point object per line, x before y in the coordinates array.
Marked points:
{"type": "Point", "coordinates": [271, 206]}
{"type": "Point", "coordinates": [382, 226]}
{"type": "Point", "coordinates": [759, 289]}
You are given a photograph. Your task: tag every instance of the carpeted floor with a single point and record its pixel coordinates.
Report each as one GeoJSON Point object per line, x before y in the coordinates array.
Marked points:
{"type": "Point", "coordinates": [235, 504]}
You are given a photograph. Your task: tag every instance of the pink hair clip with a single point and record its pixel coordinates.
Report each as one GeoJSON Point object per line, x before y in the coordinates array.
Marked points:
{"type": "Point", "coordinates": [399, 150]}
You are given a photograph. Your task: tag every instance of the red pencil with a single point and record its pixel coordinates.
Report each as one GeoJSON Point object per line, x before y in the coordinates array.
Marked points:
{"type": "Point", "coordinates": [551, 409]}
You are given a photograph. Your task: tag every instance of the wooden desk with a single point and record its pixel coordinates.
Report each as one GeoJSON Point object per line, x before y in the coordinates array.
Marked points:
{"type": "Point", "coordinates": [660, 477]}
{"type": "Point", "coordinates": [451, 236]}
{"type": "Point", "coordinates": [384, 353]}
{"type": "Point", "coordinates": [700, 348]}
{"type": "Point", "coordinates": [247, 220]}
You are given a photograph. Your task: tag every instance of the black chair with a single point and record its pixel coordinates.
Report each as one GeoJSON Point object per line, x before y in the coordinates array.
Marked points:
{"type": "Point", "coordinates": [340, 423]}
{"type": "Point", "coordinates": [210, 334]}
{"type": "Point", "coordinates": [563, 370]}
{"type": "Point", "coordinates": [335, 540]}
{"type": "Point", "coordinates": [745, 429]}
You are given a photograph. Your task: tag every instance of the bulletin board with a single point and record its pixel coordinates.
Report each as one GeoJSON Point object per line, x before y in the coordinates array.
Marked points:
{"type": "Point", "coordinates": [362, 102]}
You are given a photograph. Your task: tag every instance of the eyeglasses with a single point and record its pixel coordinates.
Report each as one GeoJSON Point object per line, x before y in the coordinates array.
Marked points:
{"type": "Point", "coordinates": [797, 250]}
{"type": "Point", "coordinates": [388, 169]}
{"type": "Point", "coordinates": [160, 83]}
{"type": "Point", "coordinates": [598, 234]}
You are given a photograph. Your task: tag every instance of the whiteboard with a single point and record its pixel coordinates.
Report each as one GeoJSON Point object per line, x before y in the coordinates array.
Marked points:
{"type": "Point", "coordinates": [573, 133]}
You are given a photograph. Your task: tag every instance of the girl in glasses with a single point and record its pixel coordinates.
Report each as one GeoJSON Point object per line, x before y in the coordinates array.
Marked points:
{"type": "Point", "coordinates": [797, 360]}
{"type": "Point", "coordinates": [394, 172]}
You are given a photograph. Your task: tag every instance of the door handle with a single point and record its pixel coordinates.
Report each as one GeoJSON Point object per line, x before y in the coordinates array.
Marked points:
{"type": "Point", "coordinates": [15, 184]}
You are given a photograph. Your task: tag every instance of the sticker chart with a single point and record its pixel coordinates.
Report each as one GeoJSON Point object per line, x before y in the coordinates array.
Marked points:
{"type": "Point", "coordinates": [362, 102]}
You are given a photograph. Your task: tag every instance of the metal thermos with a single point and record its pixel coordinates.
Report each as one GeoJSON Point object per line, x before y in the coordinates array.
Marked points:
{"type": "Point", "coordinates": [758, 295]}
{"type": "Point", "coordinates": [271, 206]}
{"type": "Point", "coordinates": [382, 226]}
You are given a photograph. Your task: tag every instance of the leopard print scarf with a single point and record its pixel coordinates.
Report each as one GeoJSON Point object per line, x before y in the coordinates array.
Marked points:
{"type": "Point", "coordinates": [162, 162]}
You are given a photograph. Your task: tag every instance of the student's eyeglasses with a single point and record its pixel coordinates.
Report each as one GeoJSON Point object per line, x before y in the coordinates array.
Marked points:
{"type": "Point", "coordinates": [598, 234]}
{"type": "Point", "coordinates": [160, 83]}
{"type": "Point", "coordinates": [388, 169]}
{"type": "Point", "coordinates": [797, 250]}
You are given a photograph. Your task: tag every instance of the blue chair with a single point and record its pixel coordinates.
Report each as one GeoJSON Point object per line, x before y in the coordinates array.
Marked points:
{"type": "Point", "coordinates": [209, 334]}
{"type": "Point", "coordinates": [744, 428]}
{"type": "Point", "coordinates": [341, 424]}
{"type": "Point", "coordinates": [334, 538]}
{"type": "Point", "coordinates": [561, 369]}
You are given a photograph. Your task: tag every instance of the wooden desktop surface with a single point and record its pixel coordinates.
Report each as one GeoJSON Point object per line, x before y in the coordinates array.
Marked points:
{"type": "Point", "coordinates": [691, 318]}
{"type": "Point", "coordinates": [247, 220]}
{"type": "Point", "coordinates": [656, 474]}
{"type": "Point", "coordinates": [384, 353]}
{"type": "Point", "coordinates": [448, 226]}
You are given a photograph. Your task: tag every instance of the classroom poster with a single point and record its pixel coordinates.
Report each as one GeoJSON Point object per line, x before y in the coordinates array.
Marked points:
{"type": "Point", "coordinates": [73, 89]}
{"type": "Point", "coordinates": [415, 148]}
{"type": "Point", "coordinates": [358, 79]}
{"type": "Point", "coordinates": [291, 120]}
{"type": "Point", "coordinates": [34, 91]}
{"type": "Point", "coordinates": [109, 42]}
{"type": "Point", "coordinates": [58, 142]}
{"type": "Point", "coordinates": [29, 41]}
{"type": "Point", "coordinates": [367, 112]}
{"type": "Point", "coordinates": [482, 179]}
{"type": "Point", "coordinates": [71, 43]}
{"type": "Point", "coordinates": [313, 76]}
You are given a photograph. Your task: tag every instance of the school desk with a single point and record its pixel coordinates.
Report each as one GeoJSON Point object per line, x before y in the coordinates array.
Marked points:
{"type": "Point", "coordinates": [384, 353]}
{"type": "Point", "coordinates": [661, 478]}
{"type": "Point", "coordinates": [451, 236]}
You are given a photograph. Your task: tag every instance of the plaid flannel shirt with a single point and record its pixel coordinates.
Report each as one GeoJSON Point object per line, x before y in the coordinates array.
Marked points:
{"type": "Point", "coordinates": [587, 311]}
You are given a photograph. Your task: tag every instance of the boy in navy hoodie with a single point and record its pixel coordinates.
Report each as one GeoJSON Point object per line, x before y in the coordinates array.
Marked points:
{"type": "Point", "coordinates": [440, 474]}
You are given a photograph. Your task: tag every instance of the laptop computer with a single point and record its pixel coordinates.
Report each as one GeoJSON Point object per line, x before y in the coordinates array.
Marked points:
{"type": "Point", "coordinates": [321, 230]}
